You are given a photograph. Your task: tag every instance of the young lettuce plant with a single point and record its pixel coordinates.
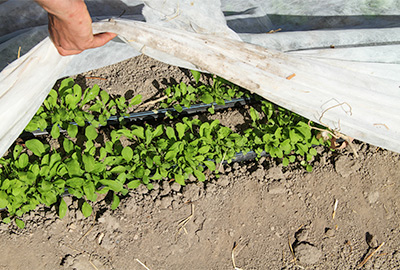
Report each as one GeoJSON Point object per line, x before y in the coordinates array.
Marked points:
{"type": "Point", "coordinates": [282, 134]}
{"type": "Point", "coordinates": [70, 108]}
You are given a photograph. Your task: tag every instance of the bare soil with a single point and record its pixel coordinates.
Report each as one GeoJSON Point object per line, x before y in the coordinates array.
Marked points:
{"type": "Point", "coordinates": [257, 215]}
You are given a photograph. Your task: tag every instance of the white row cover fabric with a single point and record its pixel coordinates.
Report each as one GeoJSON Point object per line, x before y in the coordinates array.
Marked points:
{"type": "Point", "coordinates": [335, 62]}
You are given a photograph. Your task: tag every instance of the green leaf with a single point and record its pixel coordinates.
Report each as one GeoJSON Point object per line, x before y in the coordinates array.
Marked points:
{"type": "Point", "coordinates": [105, 97]}
{"type": "Point", "coordinates": [210, 165]}
{"type": "Point", "coordinates": [91, 132]}
{"type": "Point", "coordinates": [206, 98]}
{"type": "Point", "coordinates": [90, 94]}
{"type": "Point", "coordinates": [96, 107]}
{"type": "Point", "coordinates": [89, 162]}
{"type": "Point", "coordinates": [6, 220]}
{"type": "Point", "coordinates": [285, 161]}
{"type": "Point", "coordinates": [134, 184]}
{"type": "Point", "coordinates": [171, 155]}
{"type": "Point", "coordinates": [113, 185]}
{"type": "Point", "coordinates": [62, 208]}
{"type": "Point", "coordinates": [136, 100]}
{"type": "Point", "coordinates": [170, 133]}
{"type": "Point", "coordinates": [149, 136]}
{"type": "Point", "coordinates": [23, 160]}
{"type": "Point", "coordinates": [73, 168]}
{"type": "Point", "coordinates": [72, 130]}
{"type": "Point", "coordinates": [20, 223]}
{"type": "Point", "coordinates": [17, 150]}
{"type": "Point", "coordinates": [36, 146]}
{"type": "Point", "coordinates": [196, 75]}
{"type": "Point", "coordinates": [158, 131]}
{"type": "Point", "coordinates": [127, 153]}
{"type": "Point", "coordinates": [254, 114]}
{"type": "Point", "coordinates": [118, 169]}
{"type": "Point", "coordinates": [68, 145]}
{"type": "Point", "coordinates": [178, 108]}
{"type": "Point", "coordinates": [309, 168]}
{"type": "Point", "coordinates": [115, 202]}
{"type": "Point", "coordinates": [55, 131]}
{"type": "Point", "coordinates": [180, 179]}
{"type": "Point", "coordinates": [181, 128]}
{"type": "Point", "coordinates": [312, 151]}
{"type": "Point", "coordinates": [3, 199]}
{"type": "Point", "coordinates": [204, 149]}
{"type": "Point", "coordinates": [138, 132]}
{"type": "Point", "coordinates": [200, 176]}
{"type": "Point", "coordinates": [86, 209]}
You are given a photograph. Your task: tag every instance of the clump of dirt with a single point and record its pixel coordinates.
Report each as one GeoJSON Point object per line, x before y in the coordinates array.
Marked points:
{"type": "Point", "coordinates": [263, 215]}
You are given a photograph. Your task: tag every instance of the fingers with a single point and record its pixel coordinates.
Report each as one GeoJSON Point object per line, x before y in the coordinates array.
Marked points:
{"type": "Point", "coordinates": [102, 38]}
{"type": "Point", "coordinates": [98, 41]}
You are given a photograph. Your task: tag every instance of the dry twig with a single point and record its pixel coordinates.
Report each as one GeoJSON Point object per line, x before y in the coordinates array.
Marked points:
{"type": "Point", "coordinates": [335, 133]}
{"type": "Point", "coordinates": [274, 31]}
{"type": "Point", "coordinates": [152, 102]}
{"type": "Point", "coordinates": [335, 208]}
{"type": "Point", "coordinates": [90, 260]}
{"type": "Point", "coordinates": [182, 223]}
{"type": "Point", "coordinates": [142, 264]}
{"type": "Point", "coordinates": [235, 245]}
{"type": "Point", "coordinates": [370, 255]}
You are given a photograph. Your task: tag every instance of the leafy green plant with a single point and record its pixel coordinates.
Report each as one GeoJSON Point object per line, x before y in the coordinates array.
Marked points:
{"type": "Point", "coordinates": [34, 173]}
{"type": "Point", "coordinates": [71, 104]}
{"type": "Point", "coordinates": [183, 95]}
{"type": "Point", "coordinates": [282, 134]}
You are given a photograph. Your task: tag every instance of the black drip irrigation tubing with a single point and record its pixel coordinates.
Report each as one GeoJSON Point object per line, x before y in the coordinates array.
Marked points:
{"type": "Point", "coordinates": [155, 114]}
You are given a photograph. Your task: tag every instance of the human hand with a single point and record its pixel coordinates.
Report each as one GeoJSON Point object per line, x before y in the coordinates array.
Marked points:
{"type": "Point", "coordinates": [70, 26]}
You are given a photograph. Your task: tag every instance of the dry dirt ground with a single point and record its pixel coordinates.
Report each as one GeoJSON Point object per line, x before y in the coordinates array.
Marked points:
{"type": "Point", "coordinates": [257, 215]}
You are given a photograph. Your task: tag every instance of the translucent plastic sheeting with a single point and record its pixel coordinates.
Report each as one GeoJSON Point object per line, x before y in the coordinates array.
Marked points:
{"type": "Point", "coordinates": [334, 62]}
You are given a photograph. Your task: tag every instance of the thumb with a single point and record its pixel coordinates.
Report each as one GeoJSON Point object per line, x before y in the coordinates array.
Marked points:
{"type": "Point", "coordinates": [102, 38]}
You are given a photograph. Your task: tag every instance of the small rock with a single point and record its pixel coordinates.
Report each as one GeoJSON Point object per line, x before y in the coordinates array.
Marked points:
{"type": "Point", "coordinates": [142, 189]}
{"type": "Point", "coordinates": [258, 174]}
{"type": "Point", "coordinates": [236, 165]}
{"type": "Point", "coordinates": [307, 253]}
{"type": "Point", "coordinates": [261, 160]}
{"type": "Point", "coordinates": [176, 204]}
{"type": "Point", "coordinates": [192, 192]}
{"type": "Point", "coordinates": [156, 186]}
{"type": "Point", "coordinates": [166, 202]}
{"type": "Point", "coordinates": [275, 173]}
{"type": "Point", "coordinates": [192, 178]}
{"type": "Point", "coordinates": [371, 240]}
{"type": "Point", "coordinates": [100, 238]}
{"type": "Point", "coordinates": [165, 188]}
{"type": "Point", "coordinates": [276, 188]}
{"type": "Point", "coordinates": [396, 255]}
{"type": "Point", "coordinates": [373, 197]}
{"type": "Point", "coordinates": [301, 235]}
{"type": "Point", "coordinates": [329, 232]}
{"type": "Point", "coordinates": [223, 181]}
{"type": "Point", "coordinates": [345, 166]}
{"type": "Point", "coordinates": [228, 169]}
{"type": "Point", "coordinates": [176, 187]}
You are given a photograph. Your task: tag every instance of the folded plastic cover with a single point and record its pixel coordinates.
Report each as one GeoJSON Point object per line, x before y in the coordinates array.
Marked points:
{"type": "Point", "coordinates": [334, 62]}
